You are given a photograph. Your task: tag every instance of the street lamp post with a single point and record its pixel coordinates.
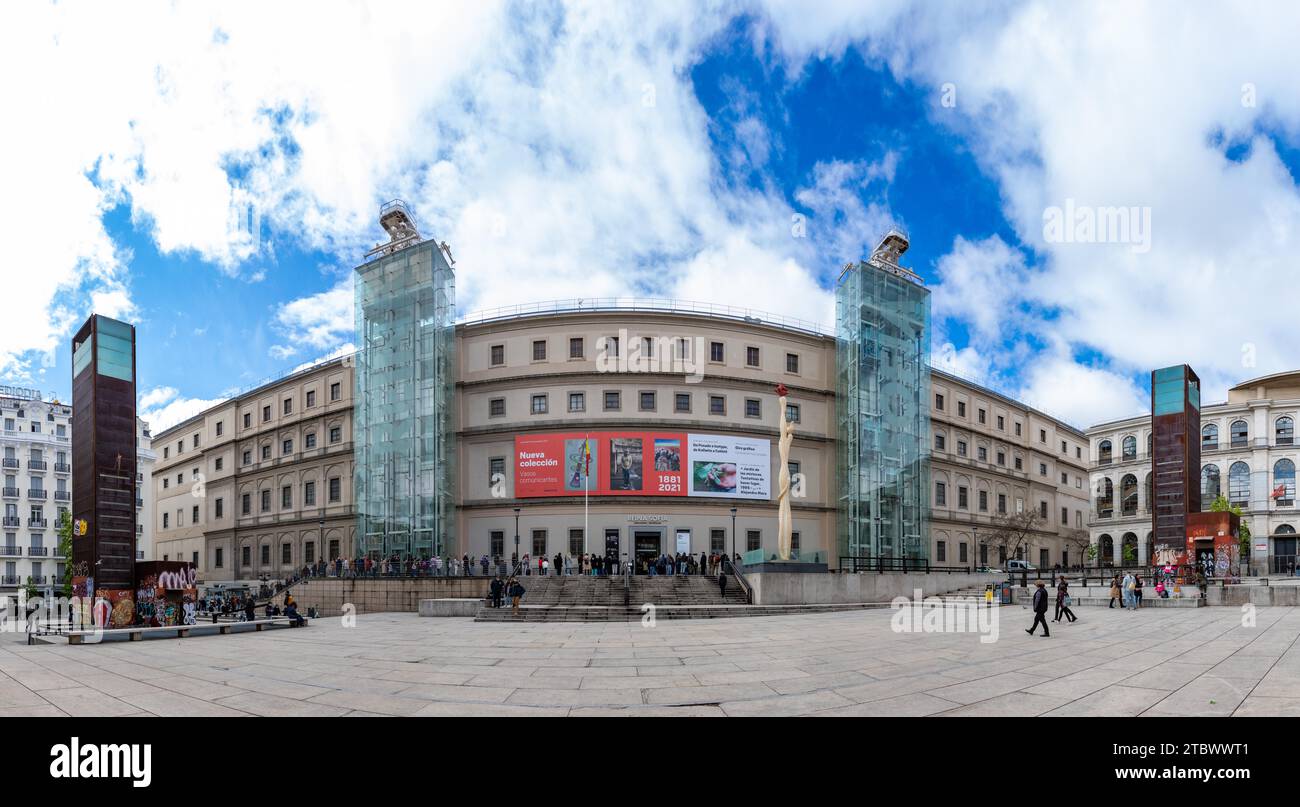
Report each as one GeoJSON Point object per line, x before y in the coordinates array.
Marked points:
{"type": "Point", "coordinates": [517, 509]}
{"type": "Point", "coordinates": [733, 533]}
{"type": "Point", "coordinates": [975, 531]}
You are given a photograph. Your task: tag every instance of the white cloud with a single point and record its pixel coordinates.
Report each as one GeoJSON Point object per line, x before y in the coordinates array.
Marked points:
{"type": "Point", "coordinates": [317, 321]}
{"type": "Point", "coordinates": [1080, 394]}
{"type": "Point", "coordinates": [161, 407]}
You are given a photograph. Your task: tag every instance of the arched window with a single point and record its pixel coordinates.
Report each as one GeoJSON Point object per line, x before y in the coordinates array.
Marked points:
{"type": "Point", "coordinates": [1105, 550]}
{"type": "Point", "coordinates": [1149, 436]}
{"type": "Point", "coordinates": [1128, 495]}
{"type": "Point", "coordinates": [1103, 452]}
{"type": "Point", "coordinates": [1284, 529]}
{"type": "Point", "coordinates": [1106, 499]}
{"type": "Point", "coordinates": [1284, 483]}
{"type": "Point", "coordinates": [1285, 431]}
{"type": "Point", "coordinates": [1210, 438]}
{"type": "Point", "coordinates": [1239, 483]}
{"type": "Point", "coordinates": [1129, 550]}
{"type": "Point", "coordinates": [1130, 449]}
{"type": "Point", "coordinates": [1238, 433]}
{"type": "Point", "coordinates": [1210, 488]}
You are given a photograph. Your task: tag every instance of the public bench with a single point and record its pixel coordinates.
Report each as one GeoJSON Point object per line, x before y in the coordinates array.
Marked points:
{"type": "Point", "coordinates": [136, 634]}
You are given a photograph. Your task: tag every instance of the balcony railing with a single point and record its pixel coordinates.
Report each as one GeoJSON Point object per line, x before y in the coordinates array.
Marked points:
{"type": "Point", "coordinates": [38, 581]}
{"type": "Point", "coordinates": [62, 468]}
{"type": "Point", "coordinates": [11, 551]}
{"type": "Point", "coordinates": [38, 523]}
{"type": "Point", "coordinates": [12, 521]}
{"type": "Point", "coordinates": [9, 580]}
{"type": "Point", "coordinates": [38, 551]}
{"type": "Point", "coordinates": [9, 462]}
{"type": "Point", "coordinates": [12, 493]}
{"type": "Point", "coordinates": [139, 502]}
{"type": "Point", "coordinates": [62, 495]}
{"type": "Point", "coordinates": [36, 493]}
{"type": "Point", "coordinates": [37, 465]}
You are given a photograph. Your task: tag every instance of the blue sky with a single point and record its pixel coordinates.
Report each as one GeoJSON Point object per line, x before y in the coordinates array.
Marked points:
{"type": "Point", "coordinates": [569, 150]}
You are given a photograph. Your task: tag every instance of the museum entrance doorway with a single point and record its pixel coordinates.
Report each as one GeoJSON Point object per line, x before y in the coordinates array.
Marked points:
{"type": "Point", "coordinates": [649, 546]}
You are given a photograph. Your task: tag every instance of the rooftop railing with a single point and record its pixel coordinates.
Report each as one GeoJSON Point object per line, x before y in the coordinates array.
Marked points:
{"type": "Point", "coordinates": [635, 304]}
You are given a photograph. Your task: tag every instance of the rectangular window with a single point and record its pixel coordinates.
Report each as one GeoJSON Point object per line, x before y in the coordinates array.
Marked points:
{"type": "Point", "coordinates": [266, 451]}
{"type": "Point", "coordinates": [221, 427]}
{"type": "Point", "coordinates": [1042, 435]}
{"type": "Point", "coordinates": [539, 350]}
{"type": "Point", "coordinates": [577, 402]}
{"type": "Point", "coordinates": [981, 416]}
{"type": "Point", "coordinates": [336, 391]}
{"type": "Point", "coordinates": [496, 407]}
{"type": "Point", "coordinates": [1002, 458]}
{"type": "Point", "coordinates": [1042, 509]}
{"type": "Point", "coordinates": [266, 414]}
{"type": "Point", "coordinates": [938, 402]}
{"type": "Point", "coordinates": [266, 501]}
{"type": "Point", "coordinates": [248, 457]}
{"type": "Point", "coordinates": [751, 357]}
{"type": "Point", "coordinates": [246, 556]}
{"type": "Point", "coordinates": [498, 542]}
{"type": "Point", "coordinates": [218, 463]}
{"type": "Point", "coordinates": [498, 355]}
{"type": "Point", "coordinates": [496, 469]}
{"type": "Point", "coordinates": [648, 347]}
{"type": "Point", "coordinates": [983, 454]}
{"type": "Point", "coordinates": [717, 540]}
{"type": "Point", "coordinates": [1019, 464]}
{"type": "Point", "coordinates": [266, 554]}
{"type": "Point", "coordinates": [1017, 430]}
{"type": "Point", "coordinates": [336, 489]}
{"type": "Point", "coordinates": [611, 346]}
{"type": "Point", "coordinates": [576, 347]}
{"type": "Point", "coordinates": [682, 402]}
{"type": "Point", "coordinates": [248, 420]}
{"type": "Point", "coordinates": [286, 447]}
{"type": "Point", "coordinates": [575, 542]}
{"type": "Point", "coordinates": [1065, 449]}
{"type": "Point", "coordinates": [647, 402]}
{"type": "Point", "coordinates": [984, 501]}
{"type": "Point", "coordinates": [309, 494]}
{"type": "Point", "coordinates": [194, 514]}
{"type": "Point", "coordinates": [539, 405]}
{"type": "Point", "coordinates": [792, 362]}
{"type": "Point", "coordinates": [1065, 479]}
{"type": "Point", "coordinates": [939, 442]}
{"type": "Point", "coordinates": [286, 497]}
{"type": "Point", "coordinates": [1065, 516]}
{"type": "Point", "coordinates": [166, 520]}
{"type": "Point", "coordinates": [941, 551]}
{"type": "Point", "coordinates": [717, 405]}
{"type": "Point", "coordinates": [311, 398]}
{"type": "Point", "coordinates": [246, 504]}
{"type": "Point", "coordinates": [309, 552]}
{"type": "Point", "coordinates": [288, 406]}
{"type": "Point", "coordinates": [940, 494]}
{"type": "Point", "coordinates": [1001, 423]}
{"type": "Point", "coordinates": [286, 554]}
{"type": "Point", "coordinates": [753, 540]}
{"type": "Point", "coordinates": [753, 408]}
{"type": "Point", "coordinates": [962, 497]}
{"type": "Point", "coordinates": [539, 544]}
{"type": "Point", "coordinates": [792, 414]}
{"type": "Point", "coordinates": [1042, 469]}
{"type": "Point", "coordinates": [218, 558]}
{"type": "Point", "coordinates": [309, 440]}
{"type": "Point", "coordinates": [218, 508]}
{"type": "Point", "coordinates": [963, 553]}
{"type": "Point", "coordinates": [716, 353]}
{"type": "Point", "coordinates": [613, 402]}
{"type": "Point", "coordinates": [961, 409]}
{"type": "Point", "coordinates": [961, 448]}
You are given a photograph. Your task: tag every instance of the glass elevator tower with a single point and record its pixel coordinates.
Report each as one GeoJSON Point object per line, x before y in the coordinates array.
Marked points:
{"type": "Point", "coordinates": [405, 427]}
{"type": "Point", "coordinates": [882, 387]}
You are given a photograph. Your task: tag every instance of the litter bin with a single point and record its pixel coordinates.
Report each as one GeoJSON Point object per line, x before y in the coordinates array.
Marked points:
{"type": "Point", "coordinates": [1006, 593]}
{"type": "Point", "coordinates": [988, 594]}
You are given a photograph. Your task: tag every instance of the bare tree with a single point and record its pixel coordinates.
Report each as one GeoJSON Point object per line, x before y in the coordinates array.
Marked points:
{"type": "Point", "coordinates": [1077, 541]}
{"type": "Point", "coordinates": [1012, 531]}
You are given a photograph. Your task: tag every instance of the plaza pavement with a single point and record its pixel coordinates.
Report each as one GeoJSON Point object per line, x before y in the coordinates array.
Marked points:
{"type": "Point", "coordinates": [1179, 661]}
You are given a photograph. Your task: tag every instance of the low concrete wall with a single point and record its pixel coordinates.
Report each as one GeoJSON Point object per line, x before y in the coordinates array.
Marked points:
{"type": "Point", "coordinates": [1214, 594]}
{"type": "Point", "coordinates": [809, 589]}
{"type": "Point", "coordinates": [450, 607]}
{"type": "Point", "coordinates": [375, 595]}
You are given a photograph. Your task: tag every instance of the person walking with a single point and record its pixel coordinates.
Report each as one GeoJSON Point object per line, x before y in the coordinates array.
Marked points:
{"type": "Point", "coordinates": [495, 590]}
{"type": "Point", "coordinates": [1127, 587]}
{"type": "Point", "coordinates": [1114, 591]}
{"type": "Point", "coordinates": [1137, 592]}
{"type": "Point", "coordinates": [1063, 601]}
{"type": "Point", "coordinates": [722, 586]}
{"type": "Point", "coordinates": [516, 592]}
{"type": "Point", "coordinates": [1040, 610]}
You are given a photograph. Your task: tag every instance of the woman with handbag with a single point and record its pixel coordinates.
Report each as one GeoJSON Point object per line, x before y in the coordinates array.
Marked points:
{"type": "Point", "coordinates": [1114, 592]}
{"type": "Point", "coordinates": [1063, 602]}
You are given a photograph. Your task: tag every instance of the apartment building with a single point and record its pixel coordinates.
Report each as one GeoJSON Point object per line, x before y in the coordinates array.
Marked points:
{"type": "Point", "coordinates": [35, 440]}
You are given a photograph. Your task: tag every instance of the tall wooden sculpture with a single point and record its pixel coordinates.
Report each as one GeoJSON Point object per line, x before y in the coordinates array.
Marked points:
{"type": "Point", "coordinates": [784, 525]}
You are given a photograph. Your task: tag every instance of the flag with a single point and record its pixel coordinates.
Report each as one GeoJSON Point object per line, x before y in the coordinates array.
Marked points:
{"type": "Point", "coordinates": [586, 456]}
{"type": "Point", "coordinates": [1279, 491]}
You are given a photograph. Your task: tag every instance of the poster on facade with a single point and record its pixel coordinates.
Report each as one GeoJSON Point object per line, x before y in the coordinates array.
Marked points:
{"type": "Point", "coordinates": [730, 467]}
{"type": "Point", "coordinates": [642, 464]}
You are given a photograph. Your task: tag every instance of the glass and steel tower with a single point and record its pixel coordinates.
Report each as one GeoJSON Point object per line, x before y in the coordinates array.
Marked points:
{"type": "Point", "coordinates": [405, 429]}
{"type": "Point", "coordinates": [882, 345]}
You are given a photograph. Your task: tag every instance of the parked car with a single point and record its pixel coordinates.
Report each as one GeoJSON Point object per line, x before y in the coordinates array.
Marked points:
{"type": "Point", "coordinates": [988, 570]}
{"type": "Point", "coordinates": [1021, 566]}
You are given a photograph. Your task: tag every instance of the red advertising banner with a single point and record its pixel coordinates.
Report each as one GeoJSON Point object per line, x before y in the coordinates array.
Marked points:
{"type": "Point", "coordinates": [603, 463]}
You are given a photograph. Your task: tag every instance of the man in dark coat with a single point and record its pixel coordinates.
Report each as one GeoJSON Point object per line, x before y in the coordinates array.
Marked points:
{"type": "Point", "coordinates": [1040, 609]}
{"type": "Point", "coordinates": [496, 587]}
{"type": "Point", "coordinates": [722, 585]}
